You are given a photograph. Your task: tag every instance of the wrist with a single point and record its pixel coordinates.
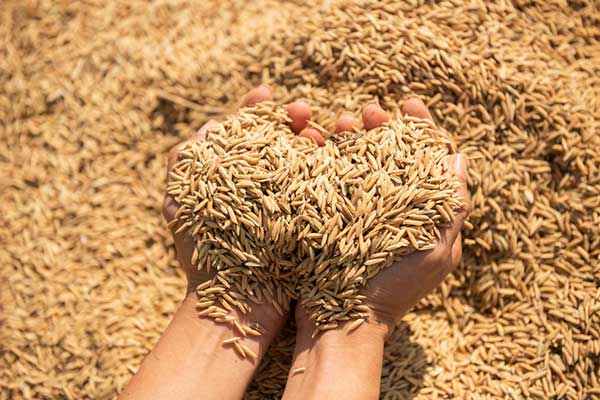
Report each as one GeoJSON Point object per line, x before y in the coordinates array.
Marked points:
{"type": "Point", "coordinates": [343, 338]}
{"type": "Point", "coordinates": [372, 327]}
{"type": "Point", "coordinates": [191, 344]}
{"type": "Point", "coordinates": [320, 361]}
{"type": "Point", "coordinates": [188, 315]}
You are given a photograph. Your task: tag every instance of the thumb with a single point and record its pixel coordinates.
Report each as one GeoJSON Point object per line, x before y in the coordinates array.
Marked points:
{"type": "Point", "coordinates": [457, 163]}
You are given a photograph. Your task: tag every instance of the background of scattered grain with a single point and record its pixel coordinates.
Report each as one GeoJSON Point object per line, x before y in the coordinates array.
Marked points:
{"type": "Point", "coordinates": [92, 95]}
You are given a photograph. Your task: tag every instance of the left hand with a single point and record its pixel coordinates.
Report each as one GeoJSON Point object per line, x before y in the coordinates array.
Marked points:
{"type": "Point", "coordinates": [299, 113]}
{"type": "Point", "coordinates": [335, 364]}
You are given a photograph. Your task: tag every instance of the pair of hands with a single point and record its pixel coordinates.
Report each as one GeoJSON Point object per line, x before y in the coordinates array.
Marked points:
{"type": "Point", "coordinates": [393, 291]}
{"type": "Point", "coordinates": [189, 361]}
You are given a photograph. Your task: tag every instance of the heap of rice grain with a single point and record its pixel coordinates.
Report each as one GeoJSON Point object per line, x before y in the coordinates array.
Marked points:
{"type": "Point", "coordinates": [229, 190]}
{"type": "Point", "coordinates": [93, 94]}
{"type": "Point", "coordinates": [276, 218]}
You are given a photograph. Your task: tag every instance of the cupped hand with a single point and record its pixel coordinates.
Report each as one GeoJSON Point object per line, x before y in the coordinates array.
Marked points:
{"type": "Point", "coordinates": [299, 113]}
{"type": "Point", "coordinates": [395, 290]}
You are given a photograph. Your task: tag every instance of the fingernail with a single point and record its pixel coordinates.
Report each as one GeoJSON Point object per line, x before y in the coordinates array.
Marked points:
{"type": "Point", "coordinates": [460, 162]}
{"type": "Point", "coordinates": [303, 100]}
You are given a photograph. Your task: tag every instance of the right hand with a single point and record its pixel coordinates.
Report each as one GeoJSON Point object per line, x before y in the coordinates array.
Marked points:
{"type": "Point", "coordinates": [395, 290]}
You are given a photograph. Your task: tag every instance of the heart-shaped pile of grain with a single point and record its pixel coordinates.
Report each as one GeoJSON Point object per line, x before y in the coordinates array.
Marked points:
{"type": "Point", "coordinates": [274, 217]}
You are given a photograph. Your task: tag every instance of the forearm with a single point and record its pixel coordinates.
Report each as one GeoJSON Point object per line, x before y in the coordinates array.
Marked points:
{"type": "Point", "coordinates": [190, 361]}
{"type": "Point", "coordinates": [337, 365]}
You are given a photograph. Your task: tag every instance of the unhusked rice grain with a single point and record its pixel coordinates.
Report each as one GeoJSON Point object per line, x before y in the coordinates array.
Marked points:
{"type": "Point", "coordinates": [93, 94]}
{"type": "Point", "coordinates": [275, 218]}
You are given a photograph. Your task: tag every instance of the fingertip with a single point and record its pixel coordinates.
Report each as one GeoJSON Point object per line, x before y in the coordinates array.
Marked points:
{"type": "Point", "coordinates": [173, 156]}
{"type": "Point", "coordinates": [415, 107]}
{"type": "Point", "coordinates": [313, 134]}
{"type": "Point", "coordinates": [458, 164]}
{"type": "Point", "coordinates": [374, 116]}
{"type": "Point", "coordinates": [201, 133]}
{"type": "Point", "coordinates": [346, 123]}
{"type": "Point", "coordinates": [300, 113]}
{"type": "Point", "coordinates": [258, 94]}
{"type": "Point", "coordinates": [264, 92]}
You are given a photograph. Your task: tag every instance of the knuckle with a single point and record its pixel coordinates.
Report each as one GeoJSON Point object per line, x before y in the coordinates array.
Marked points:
{"type": "Point", "coordinates": [462, 181]}
{"type": "Point", "coordinates": [467, 206]}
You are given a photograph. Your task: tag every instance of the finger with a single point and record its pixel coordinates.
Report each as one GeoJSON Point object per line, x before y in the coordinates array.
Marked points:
{"type": "Point", "coordinates": [450, 261]}
{"type": "Point", "coordinates": [346, 123]}
{"type": "Point", "coordinates": [313, 134]}
{"type": "Point", "coordinates": [299, 112]}
{"type": "Point", "coordinates": [456, 253]}
{"type": "Point", "coordinates": [373, 116]}
{"type": "Point", "coordinates": [197, 136]}
{"type": "Point", "coordinates": [257, 95]}
{"type": "Point", "coordinates": [457, 163]}
{"type": "Point", "coordinates": [414, 107]}
{"type": "Point", "coordinates": [201, 133]}
{"type": "Point", "coordinates": [173, 157]}
{"type": "Point", "coordinates": [169, 208]}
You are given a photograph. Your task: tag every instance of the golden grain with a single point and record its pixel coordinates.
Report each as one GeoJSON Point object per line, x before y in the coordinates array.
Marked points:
{"type": "Point", "coordinates": [89, 107]}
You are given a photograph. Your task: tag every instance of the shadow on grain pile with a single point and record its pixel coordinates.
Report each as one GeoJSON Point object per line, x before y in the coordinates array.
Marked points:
{"type": "Point", "coordinates": [401, 354]}
{"type": "Point", "coordinates": [92, 96]}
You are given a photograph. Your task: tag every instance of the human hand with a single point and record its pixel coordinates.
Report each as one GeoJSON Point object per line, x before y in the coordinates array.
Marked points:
{"type": "Point", "coordinates": [264, 314]}
{"type": "Point", "coordinates": [188, 361]}
{"type": "Point", "coordinates": [320, 361]}
{"type": "Point", "coordinates": [395, 290]}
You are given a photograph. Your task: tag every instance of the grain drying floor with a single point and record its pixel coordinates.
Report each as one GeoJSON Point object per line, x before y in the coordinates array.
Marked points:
{"type": "Point", "coordinates": [93, 94]}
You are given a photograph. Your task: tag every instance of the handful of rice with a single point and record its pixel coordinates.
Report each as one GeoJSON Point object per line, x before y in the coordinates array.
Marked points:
{"type": "Point", "coordinates": [276, 218]}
